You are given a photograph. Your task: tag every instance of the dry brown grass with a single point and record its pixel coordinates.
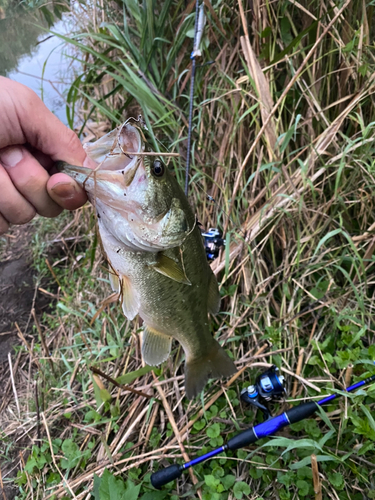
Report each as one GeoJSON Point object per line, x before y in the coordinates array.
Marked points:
{"type": "Point", "coordinates": [284, 144]}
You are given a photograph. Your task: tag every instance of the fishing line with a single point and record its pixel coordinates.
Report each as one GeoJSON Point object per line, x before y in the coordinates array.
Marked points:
{"type": "Point", "coordinates": [198, 31]}
{"type": "Point", "coordinates": [216, 204]}
{"type": "Point", "coordinates": [213, 237]}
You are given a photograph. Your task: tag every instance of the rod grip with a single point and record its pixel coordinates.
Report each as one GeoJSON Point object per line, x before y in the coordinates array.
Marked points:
{"type": "Point", "coordinates": [243, 439]}
{"type": "Point", "coordinates": [302, 411]}
{"type": "Point", "coordinates": [164, 476]}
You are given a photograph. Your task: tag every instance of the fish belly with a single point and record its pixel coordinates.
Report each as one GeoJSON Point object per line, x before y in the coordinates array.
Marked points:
{"type": "Point", "coordinates": [169, 310]}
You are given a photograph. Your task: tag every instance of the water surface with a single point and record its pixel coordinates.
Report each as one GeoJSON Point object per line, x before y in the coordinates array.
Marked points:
{"type": "Point", "coordinates": [30, 55]}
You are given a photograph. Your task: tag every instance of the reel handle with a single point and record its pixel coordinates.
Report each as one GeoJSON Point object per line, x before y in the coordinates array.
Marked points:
{"type": "Point", "coordinates": [164, 476]}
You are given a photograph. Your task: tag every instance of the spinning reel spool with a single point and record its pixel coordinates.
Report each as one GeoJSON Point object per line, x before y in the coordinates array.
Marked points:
{"type": "Point", "coordinates": [269, 385]}
{"type": "Point", "coordinates": [212, 242]}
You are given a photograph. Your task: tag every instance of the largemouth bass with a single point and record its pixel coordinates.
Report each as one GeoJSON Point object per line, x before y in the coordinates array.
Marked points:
{"type": "Point", "coordinates": [155, 252]}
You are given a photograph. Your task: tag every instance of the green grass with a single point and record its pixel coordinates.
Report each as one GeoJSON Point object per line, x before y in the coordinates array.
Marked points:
{"type": "Point", "coordinates": [297, 274]}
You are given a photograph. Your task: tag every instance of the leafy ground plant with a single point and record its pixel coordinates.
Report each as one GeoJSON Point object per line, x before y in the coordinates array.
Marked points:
{"type": "Point", "coordinates": [284, 144]}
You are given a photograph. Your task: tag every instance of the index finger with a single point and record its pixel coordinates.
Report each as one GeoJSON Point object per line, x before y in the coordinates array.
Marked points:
{"type": "Point", "coordinates": [26, 119]}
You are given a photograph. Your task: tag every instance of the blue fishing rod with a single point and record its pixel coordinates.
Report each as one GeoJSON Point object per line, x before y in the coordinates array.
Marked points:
{"type": "Point", "coordinates": [250, 436]}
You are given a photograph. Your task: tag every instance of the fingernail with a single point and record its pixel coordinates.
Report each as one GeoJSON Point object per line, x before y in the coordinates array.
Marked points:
{"type": "Point", "coordinates": [11, 156]}
{"type": "Point", "coordinates": [64, 190]}
{"type": "Point", "coordinates": [89, 163]}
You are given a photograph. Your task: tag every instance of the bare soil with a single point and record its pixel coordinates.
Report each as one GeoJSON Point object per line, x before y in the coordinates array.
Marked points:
{"type": "Point", "coordinates": [19, 294]}
{"type": "Point", "coordinates": [18, 291]}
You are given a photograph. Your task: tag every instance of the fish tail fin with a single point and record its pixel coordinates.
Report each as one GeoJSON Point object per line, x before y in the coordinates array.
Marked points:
{"type": "Point", "coordinates": [215, 364]}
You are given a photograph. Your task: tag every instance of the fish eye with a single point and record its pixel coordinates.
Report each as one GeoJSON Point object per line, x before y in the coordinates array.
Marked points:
{"type": "Point", "coordinates": [158, 168]}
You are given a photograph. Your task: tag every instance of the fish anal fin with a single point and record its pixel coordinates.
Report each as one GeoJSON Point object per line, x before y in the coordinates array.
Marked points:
{"type": "Point", "coordinates": [156, 346]}
{"type": "Point", "coordinates": [130, 302]}
{"type": "Point", "coordinates": [213, 295]}
{"type": "Point", "coordinates": [215, 364]}
{"type": "Point", "coordinates": [170, 268]}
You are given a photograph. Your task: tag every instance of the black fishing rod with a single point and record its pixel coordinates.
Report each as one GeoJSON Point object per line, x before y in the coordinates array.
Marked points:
{"type": "Point", "coordinates": [250, 436]}
{"type": "Point", "coordinates": [200, 20]}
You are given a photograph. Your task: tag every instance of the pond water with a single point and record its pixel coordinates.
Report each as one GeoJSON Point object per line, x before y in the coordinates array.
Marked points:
{"type": "Point", "coordinates": [30, 55]}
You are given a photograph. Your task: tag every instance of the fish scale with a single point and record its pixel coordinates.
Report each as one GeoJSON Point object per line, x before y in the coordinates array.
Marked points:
{"type": "Point", "coordinates": [155, 252]}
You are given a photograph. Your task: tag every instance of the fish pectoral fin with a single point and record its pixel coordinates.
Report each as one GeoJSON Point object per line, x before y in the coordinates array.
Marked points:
{"type": "Point", "coordinates": [156, 346]}
{"type": "Point", "coordinates": [115, 282]}
{"type": "Point", "coordinates": [129, 298]}
{"type": "Point", "coordinates": [170, 268]}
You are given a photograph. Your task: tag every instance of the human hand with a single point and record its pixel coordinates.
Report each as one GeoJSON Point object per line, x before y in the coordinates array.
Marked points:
{"type": "Point", "coordinates": [31, 140]}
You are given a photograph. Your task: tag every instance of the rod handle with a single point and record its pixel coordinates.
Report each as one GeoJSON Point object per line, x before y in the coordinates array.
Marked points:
{"type": "Point", "coordinates": [302, 411]}
{"type": "Point", "coordinates": [243, 439]}
{"type": "Point", "coordinates": [164, 476]}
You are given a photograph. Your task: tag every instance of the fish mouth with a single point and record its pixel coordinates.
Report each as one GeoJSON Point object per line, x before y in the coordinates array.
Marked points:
{"type": "Point", "coordinates": [116, 157]}
{"type": "Point", "coordinates": [113, 188]}
{"type": "Point", "coordinates": [115, 150]}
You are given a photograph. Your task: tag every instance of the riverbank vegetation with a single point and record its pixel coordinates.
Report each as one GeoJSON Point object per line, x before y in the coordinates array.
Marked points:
{"type": "Point", "coordinates": [284, 128]}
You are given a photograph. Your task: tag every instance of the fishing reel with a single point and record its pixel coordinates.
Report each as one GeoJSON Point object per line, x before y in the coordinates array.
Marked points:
{"type": "Point", "coordinates": [268, 385]}
{"type": "Point", "coordinates": [212, 242]}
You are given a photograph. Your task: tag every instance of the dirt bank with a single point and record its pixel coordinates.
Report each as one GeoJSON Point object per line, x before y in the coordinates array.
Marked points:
{"type": "Point", "coordinates": [19, 294]}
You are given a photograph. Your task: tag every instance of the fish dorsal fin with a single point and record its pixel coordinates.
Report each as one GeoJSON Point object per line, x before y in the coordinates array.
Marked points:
{"type": "Point", "coordinates": [213, 302]}
{"type": "Point", "coordinates": [172, 269]}
{"type": "Point", "coordinates": [156, 346]}
{"type": "Point", "coordinates": [129, 298]}
{"type": "Point", "coordinates": [115, 282]}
